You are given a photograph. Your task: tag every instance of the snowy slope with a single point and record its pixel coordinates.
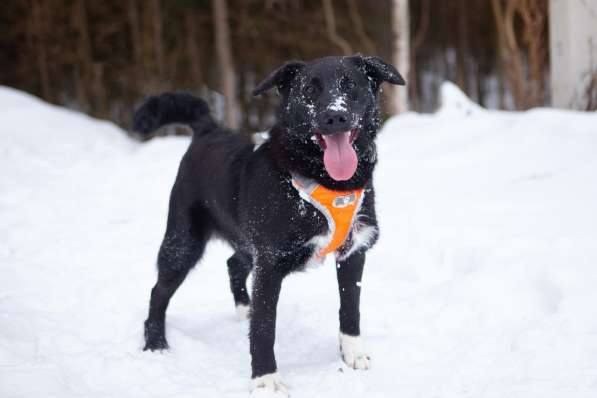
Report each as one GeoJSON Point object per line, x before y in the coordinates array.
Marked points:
{"type": "Point", "coordinates": [484, 282]}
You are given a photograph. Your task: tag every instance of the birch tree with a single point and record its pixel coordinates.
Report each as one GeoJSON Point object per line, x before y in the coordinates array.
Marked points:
{"type": "Point", "coordinates": [401, 53]}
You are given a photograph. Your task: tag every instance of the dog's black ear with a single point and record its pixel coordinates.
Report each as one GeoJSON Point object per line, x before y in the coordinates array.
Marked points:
{"type": "Point", "coordinates": [379, 70]}
{"type": "Point", "coordinates": [280, 78]}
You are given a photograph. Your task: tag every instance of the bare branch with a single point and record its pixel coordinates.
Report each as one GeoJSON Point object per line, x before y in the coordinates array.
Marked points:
{"type": "Point", "coordinates": [357, 21]}
{"type": "Point", "coordinates": [330, 21]}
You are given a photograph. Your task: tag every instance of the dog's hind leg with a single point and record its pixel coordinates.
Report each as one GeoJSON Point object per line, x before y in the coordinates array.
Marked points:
{"type": "Point", "coordinates": [181, 248]}
{"type": "Point", "coordinates": [239, 267]}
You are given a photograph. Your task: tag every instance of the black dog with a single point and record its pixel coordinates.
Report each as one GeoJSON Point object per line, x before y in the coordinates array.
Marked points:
{"type": "Point", "coordinates": [324, 137]}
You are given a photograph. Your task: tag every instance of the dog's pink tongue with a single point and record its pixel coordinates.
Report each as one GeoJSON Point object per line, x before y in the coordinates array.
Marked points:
{"type": "Point", "coordinates": [339, 158]}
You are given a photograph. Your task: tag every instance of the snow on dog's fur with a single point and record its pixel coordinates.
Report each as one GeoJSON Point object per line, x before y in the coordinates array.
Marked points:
{"type": "Point", "coordinates": [325, 131]}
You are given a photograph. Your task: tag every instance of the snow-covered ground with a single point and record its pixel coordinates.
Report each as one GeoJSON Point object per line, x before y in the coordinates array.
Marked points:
{"type": "Point", "coordinates": [484, 282]}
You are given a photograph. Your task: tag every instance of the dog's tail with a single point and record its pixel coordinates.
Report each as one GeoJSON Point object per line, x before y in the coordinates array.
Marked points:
{"type": "Point", "coordinates": [167, 108]}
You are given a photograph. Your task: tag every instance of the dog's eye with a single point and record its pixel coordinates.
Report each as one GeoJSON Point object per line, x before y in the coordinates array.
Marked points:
{"type": "Point", "coordinates": [350, 84]}
{"type": "Point", "coordinates": [309, 89]}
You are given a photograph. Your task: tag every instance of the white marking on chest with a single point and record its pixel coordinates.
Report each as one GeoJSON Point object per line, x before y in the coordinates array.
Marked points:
{"type": "Point", "coordinates": [362, 236]}
{"type": "Point", "coordinates": [318, 242]}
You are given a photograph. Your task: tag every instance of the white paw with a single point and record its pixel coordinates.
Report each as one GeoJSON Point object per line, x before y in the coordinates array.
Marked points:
{"type": "Point", "coordinates": [242, 312]}
{"type": "Point", "coordinates": [267, 385]}
{"type": "Point", "coordinates": [352, 352]}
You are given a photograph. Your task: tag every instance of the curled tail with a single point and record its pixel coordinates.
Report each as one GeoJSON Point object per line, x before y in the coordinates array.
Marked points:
{"type": "Point", "coordinates": [167, 108]}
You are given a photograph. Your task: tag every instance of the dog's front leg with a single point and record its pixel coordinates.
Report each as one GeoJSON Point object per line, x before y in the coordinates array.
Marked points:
{"type": "Point", "coordinates": [350, 272]}
{"type": "Point", "coordinates": [266, 291]}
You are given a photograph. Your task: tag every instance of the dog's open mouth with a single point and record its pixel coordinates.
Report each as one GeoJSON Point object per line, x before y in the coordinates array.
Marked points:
{"type": "Point", "coordinates": [339, 157]}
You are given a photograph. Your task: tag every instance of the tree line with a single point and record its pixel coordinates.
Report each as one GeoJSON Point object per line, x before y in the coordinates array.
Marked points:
{"type": "Point", "coordinates": [103, 57]}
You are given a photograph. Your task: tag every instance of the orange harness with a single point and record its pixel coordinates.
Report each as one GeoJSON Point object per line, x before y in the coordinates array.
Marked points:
{"type": "Point", "coordinates": [338, 207]}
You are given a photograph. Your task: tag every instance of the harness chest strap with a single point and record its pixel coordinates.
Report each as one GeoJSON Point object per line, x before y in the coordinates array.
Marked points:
{"type": "Point", "coordinates": [339, 208]}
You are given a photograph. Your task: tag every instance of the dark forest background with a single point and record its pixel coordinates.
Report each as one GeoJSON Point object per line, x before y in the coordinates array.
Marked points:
{"type": "Point", "coordinates": [104, 57]}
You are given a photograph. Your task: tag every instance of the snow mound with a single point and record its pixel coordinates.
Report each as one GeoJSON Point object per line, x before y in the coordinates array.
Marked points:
{"type": "Point", "coordinates": [483, 280]}
{"type": "Point", "coordinates": [454, 102]}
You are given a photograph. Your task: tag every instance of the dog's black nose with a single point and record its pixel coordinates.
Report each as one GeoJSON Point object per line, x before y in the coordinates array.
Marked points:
{"type": "Point", "coordinates": [334, 121]}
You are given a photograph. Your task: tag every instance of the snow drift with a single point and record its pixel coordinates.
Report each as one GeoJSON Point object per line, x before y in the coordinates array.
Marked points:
{"type": "Point", "coordinates": [483, 283]}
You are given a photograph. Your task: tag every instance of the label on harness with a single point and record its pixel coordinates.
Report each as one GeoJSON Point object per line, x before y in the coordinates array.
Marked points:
{"type": "Point", "coordinates": [345, 200]}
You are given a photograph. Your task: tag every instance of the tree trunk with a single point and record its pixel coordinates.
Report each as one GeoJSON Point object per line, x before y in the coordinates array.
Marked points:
{"type": "Point", "coordinates": [510, 58]}
{"type": "Point", "coordinates": [83, 69]}
{"type": "Point", "coordinates": [357, 22]}
{"type": "Point", "coordinates": [573, 53]}
{"type": "Point", "coordinates": [135, 31]}
{"type": "Point", "coordinates": [401, 56]}
{"type": "Point", "coordinates": [40, 33]}
{"type": "Point", "coordinates": [192, 49]}
{"type": "Point", "coordinates": [463, 46]}
{"type": "Point", "coordinates": [330, 23]}
{"type": "Point", "coordinates": [416, 43]}
{"type": "Point", "coordinates": [225, 61]}
{"type": "Point", "coordinates": [99, 91]}
{"type": "Point", "coordinates": [158, 41]}
{"type": "Point", "coordinates": [534, 19]}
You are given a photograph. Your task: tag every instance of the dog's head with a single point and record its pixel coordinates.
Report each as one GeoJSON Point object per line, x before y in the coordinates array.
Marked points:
{"type": "Point", "coordinates": [329, 115]}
